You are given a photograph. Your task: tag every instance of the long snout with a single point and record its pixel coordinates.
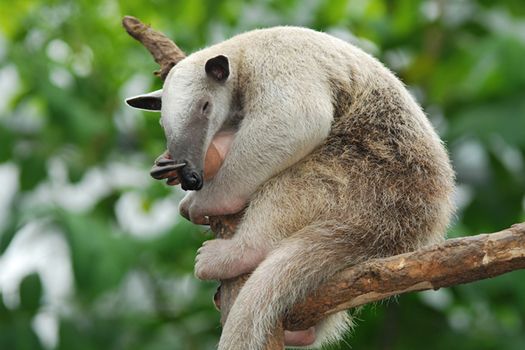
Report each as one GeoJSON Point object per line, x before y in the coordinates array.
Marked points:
{"type": "Point", "coordinates": [190, 150]}
{"type": "Point", "coordinates": [192, 155]}
{"type": "Point", "coordinates": [186, 131]}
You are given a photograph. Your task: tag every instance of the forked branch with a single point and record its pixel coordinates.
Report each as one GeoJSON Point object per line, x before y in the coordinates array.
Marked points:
{"type": "Point", "coordinates": [453, 262]}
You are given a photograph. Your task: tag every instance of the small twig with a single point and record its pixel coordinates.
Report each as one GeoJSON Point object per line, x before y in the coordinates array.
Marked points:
{"type": "Point", "coordinates": [163, 50]}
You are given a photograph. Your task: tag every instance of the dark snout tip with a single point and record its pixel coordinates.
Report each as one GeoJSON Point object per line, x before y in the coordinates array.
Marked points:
{"type": "Point", "coordinates": [191, 180]}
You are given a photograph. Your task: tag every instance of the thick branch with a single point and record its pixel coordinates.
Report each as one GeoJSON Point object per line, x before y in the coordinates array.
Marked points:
{"type": "Point", "coordinates": [456, 261]}
{"type": "Point", "coordinates": [453, 262]}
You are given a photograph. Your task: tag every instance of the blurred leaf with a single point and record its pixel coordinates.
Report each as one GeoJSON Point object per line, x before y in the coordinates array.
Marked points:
{"type": "Point", "coordinates": [100, 255]}
{"type": "Point", "coordinates": [30, 293]}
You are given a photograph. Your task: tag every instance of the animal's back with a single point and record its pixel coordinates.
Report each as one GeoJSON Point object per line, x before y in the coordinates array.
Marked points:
{"type": "Point", "coordinates": [382, 159]}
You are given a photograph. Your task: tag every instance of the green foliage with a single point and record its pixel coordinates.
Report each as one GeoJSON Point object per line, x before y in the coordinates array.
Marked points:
{"type": "Point", "coordinates": [76, 200]}
{"type": "Point", "coordinates": [30, 293]}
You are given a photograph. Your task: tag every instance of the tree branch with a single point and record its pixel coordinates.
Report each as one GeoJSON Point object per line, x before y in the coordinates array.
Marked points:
{"type": "Point", "coordinates": [164, 51]}
{"type": "Point", "coordinates": [453, 262]}
{"type": "Point", "coordinates": [456, 261]}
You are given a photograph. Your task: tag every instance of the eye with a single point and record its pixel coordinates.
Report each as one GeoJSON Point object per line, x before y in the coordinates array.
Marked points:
{"type": "Point", "coordinates": [205, 106]}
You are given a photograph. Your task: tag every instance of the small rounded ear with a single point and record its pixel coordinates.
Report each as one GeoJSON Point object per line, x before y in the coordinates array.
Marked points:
{"type": "Point", "coordinates": [218, 68]}
{"type": "Point", "coordinates": [148, 102]}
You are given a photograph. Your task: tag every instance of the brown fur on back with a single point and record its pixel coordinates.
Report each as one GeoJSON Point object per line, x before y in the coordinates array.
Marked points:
{"type": "Point", "coordinates": [381, 172]}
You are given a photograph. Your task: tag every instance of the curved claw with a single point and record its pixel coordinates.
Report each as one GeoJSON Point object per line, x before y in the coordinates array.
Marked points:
{"type": "Point", "coordinates": [166, 168]}
{"type": "Point", "coordinates": [162, 172]}
{"type": "Point", "coordinates": [164, 159]}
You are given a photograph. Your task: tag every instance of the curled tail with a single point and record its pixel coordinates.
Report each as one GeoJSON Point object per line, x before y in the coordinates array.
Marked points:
{"type": "Point", "coordinates": [298, 266]}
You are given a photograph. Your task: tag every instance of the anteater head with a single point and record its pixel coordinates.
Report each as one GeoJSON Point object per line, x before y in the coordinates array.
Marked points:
{"type": "Point", "coordinates": [194, 104]}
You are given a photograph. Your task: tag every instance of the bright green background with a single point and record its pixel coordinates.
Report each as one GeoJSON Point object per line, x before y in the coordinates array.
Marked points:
{"type": "Point", "coordinates": [65, 67]}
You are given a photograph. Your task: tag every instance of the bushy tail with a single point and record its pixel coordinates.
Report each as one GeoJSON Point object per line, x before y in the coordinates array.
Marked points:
{"type": "Point", "coordinates": [298, 266]}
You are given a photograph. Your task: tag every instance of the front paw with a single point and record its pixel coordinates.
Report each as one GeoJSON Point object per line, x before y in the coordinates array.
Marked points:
{"type": "Point", "coordinates": [212, 261]}
{"type": "Point", "coordinates": [222, 259]}
{"type": "Point", "coordinates": [200, 205]}
{"type": "Point", "coordinates": [189, 208]}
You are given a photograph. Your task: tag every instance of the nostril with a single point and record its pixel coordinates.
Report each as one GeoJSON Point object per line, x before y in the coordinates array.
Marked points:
{"type": "Point", "coordinates": [191, 180]}
{"type": "Point", "coordinates": [196, 179]}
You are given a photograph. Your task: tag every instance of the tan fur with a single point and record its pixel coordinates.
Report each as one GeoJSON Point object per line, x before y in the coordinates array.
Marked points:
{"type": "Point", "coordinates": [379, 185]}
{"type": "Point", "coordinates": [339, 165]}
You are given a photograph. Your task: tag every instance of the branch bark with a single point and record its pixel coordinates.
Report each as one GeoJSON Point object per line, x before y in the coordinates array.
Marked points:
{"type": "Point", "coordinates": [456, 261]}
{"type": "Point", "coordinates": [453, 262]}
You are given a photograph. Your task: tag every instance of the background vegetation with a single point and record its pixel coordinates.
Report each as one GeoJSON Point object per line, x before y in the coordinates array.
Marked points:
{"type": "Point", "coordinates": [92, 252]}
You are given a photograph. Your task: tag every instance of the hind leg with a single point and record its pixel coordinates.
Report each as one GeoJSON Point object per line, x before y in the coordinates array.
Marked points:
{"type": "Point", "coordinates": [298, 266]}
